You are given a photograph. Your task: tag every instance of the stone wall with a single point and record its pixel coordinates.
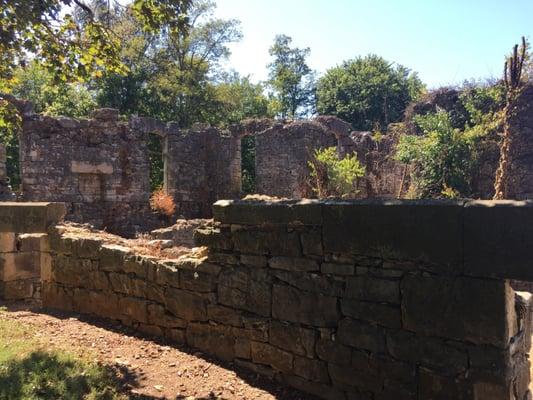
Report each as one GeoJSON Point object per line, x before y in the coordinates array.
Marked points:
{"type": "Point", "coordinates": [98, 167]}
{"type": "Point", "coordinates": [24, 250]}
{"type": "Point", "coordinates": [202, 165]}
{"type": "Point", "coordinates": [365, 300]}
{"type": "Point", "coordinates": [281, 155]}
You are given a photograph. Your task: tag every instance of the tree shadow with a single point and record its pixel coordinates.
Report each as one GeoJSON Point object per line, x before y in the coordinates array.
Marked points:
{"type": "Point", "coordinates": [272, 386]}
{"type": "Point", "coordinates": [51, 375]}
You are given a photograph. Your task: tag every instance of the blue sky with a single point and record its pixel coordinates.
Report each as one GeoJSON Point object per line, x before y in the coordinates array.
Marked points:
{"type": "Point", "coordinates": [445, 41]}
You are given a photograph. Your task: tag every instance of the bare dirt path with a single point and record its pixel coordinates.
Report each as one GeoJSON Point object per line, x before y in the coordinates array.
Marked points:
{"type": "Point", "coordinates": [149, 370]}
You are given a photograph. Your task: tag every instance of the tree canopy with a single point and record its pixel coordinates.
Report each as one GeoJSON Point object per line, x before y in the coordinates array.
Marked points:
{"type": "Point", "coordinates": [291, 79]}
{"type": "Point", "coordinates": [368, 92]}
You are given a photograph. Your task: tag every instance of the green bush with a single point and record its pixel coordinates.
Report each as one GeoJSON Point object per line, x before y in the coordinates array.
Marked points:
{"type": "Point", "coordinates": [332, 175]}
{"type": "Point", "coordinates": [442, 157]}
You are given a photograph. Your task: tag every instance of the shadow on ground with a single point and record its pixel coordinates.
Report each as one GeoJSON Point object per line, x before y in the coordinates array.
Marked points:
{"type": "Point", "coordinates": [125, 378]}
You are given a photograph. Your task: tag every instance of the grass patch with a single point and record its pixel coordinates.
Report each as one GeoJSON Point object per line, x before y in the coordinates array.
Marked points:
{"type": "Point", "coordinates": [27, 371]}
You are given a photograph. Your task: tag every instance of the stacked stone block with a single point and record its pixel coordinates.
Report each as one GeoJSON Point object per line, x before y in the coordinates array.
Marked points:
{"type": "Point", "coordinates": [98, 167]}
{"type": "Point", "coordinates": [366, 300]}
{"type": "Point", "coordinates": [25, 257]}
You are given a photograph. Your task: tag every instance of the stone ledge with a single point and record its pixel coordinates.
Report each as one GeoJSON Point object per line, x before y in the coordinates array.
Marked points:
{"type": "Point", "coordinates": [30, 217]}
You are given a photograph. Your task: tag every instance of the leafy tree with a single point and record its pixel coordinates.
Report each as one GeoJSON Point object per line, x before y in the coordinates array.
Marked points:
{"type": "Point", "coordinates": [36, 84]}
{"type": "Point", "coordinates": [291, 79]}
{"type": "Point", "coordinates": [332, 175]}
{"type": "Point", "coordinates": [172, 74]}
{"type": "Point", "coordinates": [239, 99]}
{"type": "Point", "coordinates": [442, 157]}
{"type": "Point", "coordinates": [367, 92]}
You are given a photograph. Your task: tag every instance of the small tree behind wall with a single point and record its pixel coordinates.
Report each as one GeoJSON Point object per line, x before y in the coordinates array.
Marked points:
{"type": "Point", "coordinates": [513, 84]}
{"type": "Point", "coordinates": [333, 176]}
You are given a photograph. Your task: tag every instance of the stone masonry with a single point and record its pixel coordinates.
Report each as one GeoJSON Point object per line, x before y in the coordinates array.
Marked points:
{"type": "Point", "coordinates": [98, 167]}
{"type": "Point", "coordinates": [24, 250]}
{"type": "Point", "coordinates": [345, 300]}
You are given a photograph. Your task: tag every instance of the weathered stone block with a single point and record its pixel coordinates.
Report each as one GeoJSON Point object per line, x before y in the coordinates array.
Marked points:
{"type": "Point", "coordinates": [264, 353]}
{"type": "Point", "coordinates": [422, 230]}
{"type": "Point", "coordinates": [296, 264]}
{"type": "Point", "coordinates": [225, 315]}
{"type": "Point", "coordinates": [157, 315]}
{"type": "Point", "coordinates": [334, 352]}
{"type": "Point", "coordinates": [349, 377]}
{"type": "Point", "coordinates": [297, 340]}
{"type": "Point", "coordinates": [251, 260]}
{"type": "Point", "coordinates": [429, 352]}
{"type": "Point", "coordinates": [19, 290]}
{"type": "Point", "coordinates": [373, 289]}
{"type": "Point", "coordinates": [8, 242]}
{"type": "Point", "coordinates": [312, 243]}
{"type": "Point", "coordinates": [360, 335]}
{"type": "Point", "coordinates": [305, 212]}
{"type": "Point", "coordinates": [496, 239]}
{"type": "Point", "coordinates": [29, 217]}
{"type": "Point", "coordinates": [382, 314]}
{"type": "Point", "coordinates": [87, 247]}
{"type": "Point", "coordinates": [245, 289]}
{"type": "Point", "coordinates": [16, 266]}
{"type": "Point", "coordinates": [485, 307]}
{"type": "Point", "coordinates": [337, 269]}
{"type": "Point", "coordinates": [168, 275]}
{"type": "Point", "coordinates": [112, 257]}
{"type": "Point", "coordinates": [276, 242]}
{"type": "Point", "coordinates": [313, 370]}
{"type": "Point", "coordinates": [187, 305]}
{"type": "Point", "coordinates": [134, 308]}
{"type": "Point", "coordinates": [316, 283]}
{"type": "Point", "coordinates": [197, 281]}
{"type": "Point", "coordinates": [293, 305]}
{"type": "Point", "coordinates": [213, 339]}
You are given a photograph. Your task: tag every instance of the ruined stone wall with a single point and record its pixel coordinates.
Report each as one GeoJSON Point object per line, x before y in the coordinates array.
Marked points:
{"type": "Point", "coordinates": [385, 177]}
{"type": "Point", "coordinates": [202, 165]}
{"type": "Point", "coordinates": [366, 300]}
{"type": "Point", "coordinates": [281, 156]}
{"type": "Point", "coordinates": [24, 250]}
{"type": "Point", "coordinates": [98, 167]}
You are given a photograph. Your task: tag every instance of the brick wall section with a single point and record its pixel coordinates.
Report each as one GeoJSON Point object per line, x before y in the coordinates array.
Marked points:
{"type": "Point", "coordinates": [362, 300]}
{"type": "Point", "coordinates": [98, 167]}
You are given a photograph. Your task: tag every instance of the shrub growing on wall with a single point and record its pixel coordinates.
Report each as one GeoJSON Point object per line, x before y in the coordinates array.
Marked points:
{"type": "Point", "coordinates": [333, 176]}
{"type": "Point", "coordinates": [442, 157]}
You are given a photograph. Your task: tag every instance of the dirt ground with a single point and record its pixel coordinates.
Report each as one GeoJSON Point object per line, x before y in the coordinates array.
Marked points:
{"type": "Point", "coordinates": [148, 369]}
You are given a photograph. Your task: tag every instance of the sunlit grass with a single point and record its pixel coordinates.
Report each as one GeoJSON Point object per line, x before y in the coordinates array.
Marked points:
{"type": "Point", "coordinates": [29, 371]}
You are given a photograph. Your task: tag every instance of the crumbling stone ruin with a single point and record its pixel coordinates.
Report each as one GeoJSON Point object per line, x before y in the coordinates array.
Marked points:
{"type": "Point", "coordinates": [100, 167]}
{"type": "Point", "coordinates": [368, 299]}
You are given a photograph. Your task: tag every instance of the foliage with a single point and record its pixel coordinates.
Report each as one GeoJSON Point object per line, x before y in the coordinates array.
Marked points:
{"type": "Point", "coordinates": [238, 99]}
{"type": "Point", "coordinates": [442, 157]}
{"type": "Point", "coordinates": [162, 203]}
{"type": "Point", "coordinates": [28, 372]}
{"type": "Point", "coordinates": [332, 175]}
{"type": "Point", "coordinates": [367, 92]}
{"type": "Point", "coordinates": [9, 127]}
{"type": "Point", "coordinates": [36, 84]}
{"type": "Point", "coordinates": [291, 79]}
{"type": "Point", "coordinates": [155, 155]}
{"type": "Point", "coordinates": [248, 164]}
{"type": "Point", "coordinates": [172, 74]}
{"type": "Point", "coordinates": [484, 104]}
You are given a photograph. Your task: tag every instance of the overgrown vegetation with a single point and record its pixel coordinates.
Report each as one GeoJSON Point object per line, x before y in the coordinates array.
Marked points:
{"type": "Point", "coordinates": [442, 157]}
{"type": "Point", "coordinates": [334, 176]}
{"type": "Point", "coordinates": [28, 371]}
